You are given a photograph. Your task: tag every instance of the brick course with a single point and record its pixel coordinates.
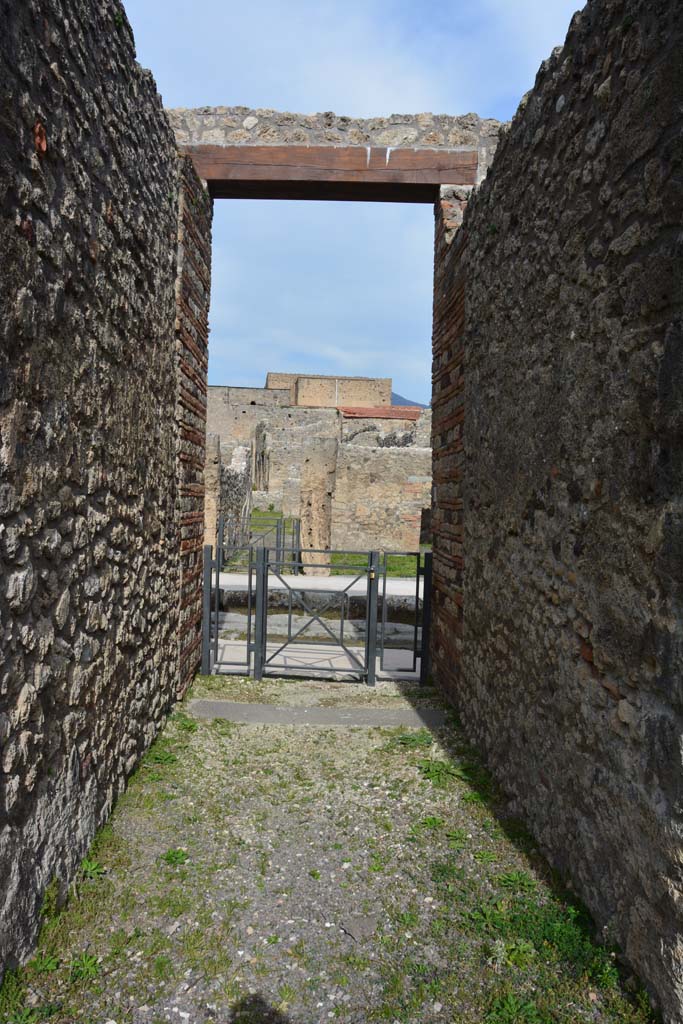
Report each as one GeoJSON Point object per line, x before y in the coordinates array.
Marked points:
{"type": "Point", "coordinates": [193, 286]}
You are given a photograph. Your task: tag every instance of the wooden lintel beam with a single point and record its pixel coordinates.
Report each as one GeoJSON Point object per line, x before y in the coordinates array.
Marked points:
{"type": "Point", "coordinates": [375, 173]}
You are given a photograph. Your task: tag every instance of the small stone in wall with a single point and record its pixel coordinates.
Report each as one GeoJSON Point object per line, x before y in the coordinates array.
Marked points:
{"type": "Point", "coordinates": [20, 588]}
{"type": "Point", "coordinates": [397, 136]}
{"type": "Point", "coordinates": [626, 712]}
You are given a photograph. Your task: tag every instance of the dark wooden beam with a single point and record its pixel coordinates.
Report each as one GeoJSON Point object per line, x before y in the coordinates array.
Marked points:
{"type": "Point", "coordinates": [343, 191]}
{"type": "Point", "coordinates": [373, 174]}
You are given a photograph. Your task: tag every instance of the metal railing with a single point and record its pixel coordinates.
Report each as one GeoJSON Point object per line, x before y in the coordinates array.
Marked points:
{"type": "Point", "coordinates": [277, 532]}
{"type": "Point", "coordinates": [421, 611]}
{"type": "Point", "coordinates": [267, 569]}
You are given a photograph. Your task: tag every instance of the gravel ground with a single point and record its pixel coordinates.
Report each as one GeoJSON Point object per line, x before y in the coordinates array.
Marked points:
{"type": "Point", "coordinates": [301, 874]}
{"type": "Point", "coordinates": [314, 693]}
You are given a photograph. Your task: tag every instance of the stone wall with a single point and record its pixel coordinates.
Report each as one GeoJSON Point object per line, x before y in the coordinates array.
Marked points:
{"type": "Point", "coordinates": [290, 440]}
{"type": "Point", "coordinates": [96, 496]}
{"type": "Point", "coordinates": [212, 488]}
{"type": "Point", "coordinates": [233, 419]}
{"type": "Point", "coordinates": [379, 494]}
{"type": "Point", "coordinates": [236, 493]}
{"type": "Point", "coordinates": [228, 493]}
{"type": "Point", "coordinates": [376, 499]}
{"type": "Point", "coordinates": [311, 389]}
{"type": "Point", "coordinates": [316, 487]}
{"type": "Point", "coordinates": [558, 471]}
{"type": "Point", "coordinates": [388, 432]}
{"type": "Point", "coordinates": [283, 436]}
{"type": "Point", "coordinates": [251, 396]}
{"type": "Point", "coordinates": [372, 431]}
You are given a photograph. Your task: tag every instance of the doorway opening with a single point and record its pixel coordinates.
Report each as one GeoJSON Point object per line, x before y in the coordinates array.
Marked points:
{"type": "Point", "coordinates": [326, 470]}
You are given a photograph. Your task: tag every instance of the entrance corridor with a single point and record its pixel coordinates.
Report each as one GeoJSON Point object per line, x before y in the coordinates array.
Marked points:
{"type": "Point", "coordinates": [303, 873]}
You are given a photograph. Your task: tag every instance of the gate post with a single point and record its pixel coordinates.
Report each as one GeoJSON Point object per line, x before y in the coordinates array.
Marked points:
{"type": "Point", "coordinates": [371, 618]}
{"type": "Point", "coordinates": [206, 611]}
{"type": "Point", "coordinates": [220, 542]}
{"type": "Point", "coordinates": [279, 543]}
{"type": "Point", "coordinates": [296, 545]}
{"type": "Point", "coordinates": [261, 609]}
{"type": "Point", "coordinates": [425, 645]}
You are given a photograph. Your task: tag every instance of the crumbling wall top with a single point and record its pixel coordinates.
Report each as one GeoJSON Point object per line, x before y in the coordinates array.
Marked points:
{"type": "Point", "coordinates": [234, 126]}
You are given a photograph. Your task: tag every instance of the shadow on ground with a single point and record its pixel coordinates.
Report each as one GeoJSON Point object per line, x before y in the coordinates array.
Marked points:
{"type": "Point", "coordinates": [255, 1010]}
{"type": "Point", "coordinates": [361, 873]}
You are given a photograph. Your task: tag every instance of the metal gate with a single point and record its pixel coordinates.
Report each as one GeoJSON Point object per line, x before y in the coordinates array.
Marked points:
{"type": "Point", "coordinates": [264, 613]}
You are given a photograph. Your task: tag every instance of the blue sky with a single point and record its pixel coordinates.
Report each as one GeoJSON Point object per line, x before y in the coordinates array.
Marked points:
{"type": "Point", "coordinates": [336, 287]}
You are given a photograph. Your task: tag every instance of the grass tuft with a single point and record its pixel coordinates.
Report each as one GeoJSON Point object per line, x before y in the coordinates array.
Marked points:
{"type": "Point", "coordinates": [175, 856]}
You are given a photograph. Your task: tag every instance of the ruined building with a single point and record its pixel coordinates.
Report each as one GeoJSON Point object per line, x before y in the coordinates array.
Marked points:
{"type": "Point", "coordinates": [332, 451]}
{"type": "Point", "coordinates": [557, 434]}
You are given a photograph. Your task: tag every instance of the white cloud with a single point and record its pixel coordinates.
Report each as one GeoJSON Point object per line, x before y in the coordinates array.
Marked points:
{"type": "Point", "coordinates": [359, 57]}
{"type": "Point", "coordinates": [336, 287]}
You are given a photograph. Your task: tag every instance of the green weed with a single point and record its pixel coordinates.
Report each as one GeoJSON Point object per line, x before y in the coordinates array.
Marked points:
{"type": "Point", "coordinates": [516, 881]}
{"type": "Point", "coordinates": [175, 857]}
{"type": "Point", "coordinates": [431, 822]}
{"type": "Point", "coordinates": [510, 1009]}
{"type": "Point", "coordinates": [84, 967]}
{"type": "Point", "coordinates": [556, 931]}
{"type": "Point", "coordinates": [92, 869]}
{"type": "Point", "coordinates": [520, 953]}
{"type": "Point", "coordinates": [49, 908]}
{"type": "Point", "coordinates": [160, 756]}
{"type": "Point", "coordinates": [173, 902]}
{"type": "Point", "coordinates": [223, 727]}
{"type": "Point", "coordinates": [473, 797]}
{"type": "Point", "coordinates": [183, 722]}
{"type": "Point", "coordinates": [378, 863]}
{"type": "Point", "coordinates": [416, 740]}
{"type": "Point", "coordinates": [408, 919]}
{"type": "Point", "coordinates": [24, 1016]}
{"type": "Point", "coordinates": [286, 995]}
{"type": "Point", "coordinates": [457, 838]}
{"type": "Point", "coordinates": [12, 994]}
{"type": "Point", "coordinates": [443, 871]}
{"type": "Point", "coordinates": [439, 773]}
{"type": "Point", "coordinates": [44, 963]}
{"type": "Point", "coordinates": [162, 968]}
{"type": "Point", "coordinates": [485, 856]}
{"type": "Point", "coordinates": [357, 961]}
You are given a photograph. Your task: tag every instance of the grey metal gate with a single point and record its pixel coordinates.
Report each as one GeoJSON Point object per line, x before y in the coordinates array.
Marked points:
{"type": "Point", "coordinates": [417, 617]}
{"type": "Point", "coordinates": [241, 559]}
{"type": "Point", "coordinates": [337, 656]}
{"type": "Point", "coordinates": [298, 624]}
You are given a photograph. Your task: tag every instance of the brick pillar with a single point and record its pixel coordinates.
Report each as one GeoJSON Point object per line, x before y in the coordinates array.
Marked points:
{"type": "Point", "coordinates": [193, 285]}
{"type": "Point", "coordinates": [448, 414]}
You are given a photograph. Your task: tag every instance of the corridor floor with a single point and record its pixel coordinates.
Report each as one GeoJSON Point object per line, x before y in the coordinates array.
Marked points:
{"type": "Point", "coordinates": [305, 874]}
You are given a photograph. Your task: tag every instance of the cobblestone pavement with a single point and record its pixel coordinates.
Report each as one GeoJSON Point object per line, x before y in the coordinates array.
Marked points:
{"type": "Point", "coordinates": [272, 873]}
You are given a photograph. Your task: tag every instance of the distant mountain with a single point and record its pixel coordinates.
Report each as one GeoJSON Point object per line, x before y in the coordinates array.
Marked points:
{"type": "Point", "coordinates": [397, 399]}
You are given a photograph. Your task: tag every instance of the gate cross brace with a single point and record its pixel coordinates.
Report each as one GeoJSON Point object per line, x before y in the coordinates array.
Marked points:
{"type": "Point", "coordinates": [315, 617]}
